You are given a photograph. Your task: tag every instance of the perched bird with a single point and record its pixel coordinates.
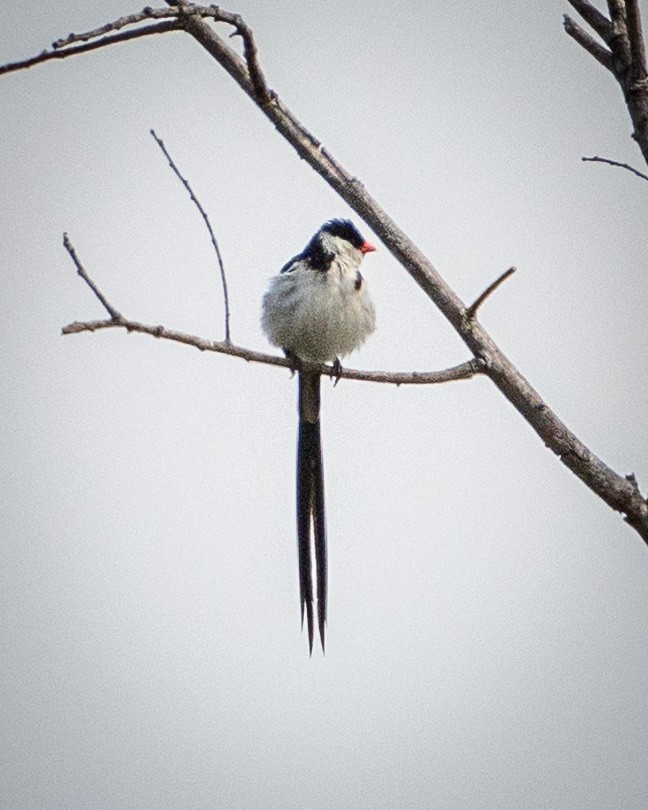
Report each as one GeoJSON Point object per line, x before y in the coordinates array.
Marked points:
{"type": "Point", "coordinates": [317, 310]}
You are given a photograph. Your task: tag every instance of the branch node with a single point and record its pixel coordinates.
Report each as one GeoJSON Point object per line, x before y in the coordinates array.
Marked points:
{"type": "Point", "coordinates": [482, 363]}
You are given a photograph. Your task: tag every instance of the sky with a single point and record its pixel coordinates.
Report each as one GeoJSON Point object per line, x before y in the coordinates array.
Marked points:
{"type": "Point", "coordinates": [487, 640]}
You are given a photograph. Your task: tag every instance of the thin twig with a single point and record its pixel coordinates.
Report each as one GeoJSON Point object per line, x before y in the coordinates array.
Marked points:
{"type": "Point", "coordinates": [464, 371]}
{"type": "Point", "coordinates": [46, 56]}
{"type": "Point", "coordinates": [117, 320]}
{"type": "Point", "coordinates": [251, 54]}
{"type": "Point", "coordinates": [242, 29]}
{"type": "Point", "coordinates": [179, 14]}
{"type": "Point", "coordinates": [471, 311]}
{"type": "Point", "coordinates": [599, 53]}
{"type": "Point", "coordinates": [597, 159]}
{"type": "Point", "coordinates": [110, 309]}
{"type": "Point", "coordinates": [203, 213]}
{"type": "Point", "coordinates": [147, 13]}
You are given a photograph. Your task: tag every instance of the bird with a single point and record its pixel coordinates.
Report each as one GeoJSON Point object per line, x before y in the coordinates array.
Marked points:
{"type": "Point", "coordinates": [317, 310]}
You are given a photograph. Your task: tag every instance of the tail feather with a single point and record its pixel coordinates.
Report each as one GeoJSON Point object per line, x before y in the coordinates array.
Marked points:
{"type": "Point", "coordinates": [310, 506]}
{"type": "Point", "coordinates": [304, 506]}
{"type": "Point", "coordinates": [319, 526]}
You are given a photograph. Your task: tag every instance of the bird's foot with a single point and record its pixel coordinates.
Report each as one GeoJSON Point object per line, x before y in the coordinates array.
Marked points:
{"type": "Point", "coordinates": [336, 372]}
{"type": "Point", "coordinates": [295, 362]}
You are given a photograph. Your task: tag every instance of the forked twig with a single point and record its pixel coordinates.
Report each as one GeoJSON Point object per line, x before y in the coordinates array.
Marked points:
{"type": "Point", "coordinates": [178, 16]}
{"type": "Point", "coordinates": [461, 372]}
{"type": "Point", "coordinates": [593, 17]}
{"type": "Point", "coordinates": [625, 56]}
{"type": "Point", "coordinates": [205, 217]}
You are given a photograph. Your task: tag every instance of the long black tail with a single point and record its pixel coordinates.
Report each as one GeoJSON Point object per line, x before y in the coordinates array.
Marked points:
{"type": "Point", "coordinates": [310, 505]}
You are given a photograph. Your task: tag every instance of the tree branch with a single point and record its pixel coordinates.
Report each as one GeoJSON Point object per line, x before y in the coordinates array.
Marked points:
{"type": "Point", "coordinates": [63, 53]}
{"type": "Point", "coordinates": [110, 309]}
{"type": "Point", "coordinates": [616, 9]}
{"type": "Point", "coordinates": [594, 18]}
{"type": "Point", "coordinates": [635, 36]}
{"type": "Point", "coordinates": [203, 213]}
{"type": "Point", "coordinates": [594, 48]}
{"type": "Point", "coordinates": [471, 311]}
{"type": "Point", "coordinates": [147, 13]}
{"type": "Point", "coordinates": [626, 58]}
{"type": "Point", "coordinates": [464, 371]}
{"type": "Point", "coordinates": [179, 12]}
{"type": "Point", "coordinates": [461, 372]}
{"type": "Point", "coordinates": [611, 487]}
{"type": "Point", "coordinates": [617, 491]}
{"type": "Point", "coordinates": [597, 159]}
{"type": "Point", "coordinates": [263, 93]}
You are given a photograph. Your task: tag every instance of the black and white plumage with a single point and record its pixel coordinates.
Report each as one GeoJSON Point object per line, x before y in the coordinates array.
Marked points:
{"type": "Point", "coordinates": [317, 310]}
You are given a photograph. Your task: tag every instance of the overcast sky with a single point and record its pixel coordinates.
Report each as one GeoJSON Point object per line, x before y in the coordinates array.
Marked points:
{"type": "Point", "coordinates": [487, 642]}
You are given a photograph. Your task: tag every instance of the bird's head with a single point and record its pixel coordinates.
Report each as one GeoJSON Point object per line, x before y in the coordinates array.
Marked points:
{"type": "Point", "coordinates": [342, 238]}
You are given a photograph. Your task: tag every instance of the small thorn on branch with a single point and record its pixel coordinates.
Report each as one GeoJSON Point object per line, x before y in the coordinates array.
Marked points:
{"type": "Point", "coordinates": [471, 311]}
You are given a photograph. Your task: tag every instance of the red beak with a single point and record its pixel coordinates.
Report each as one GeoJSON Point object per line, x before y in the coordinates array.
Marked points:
{"type": "Point", "coordinates": [367, 247]}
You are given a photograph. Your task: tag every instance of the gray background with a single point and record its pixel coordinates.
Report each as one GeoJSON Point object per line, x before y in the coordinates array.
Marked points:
{"type": "Point", "coordinates": [487, 632]}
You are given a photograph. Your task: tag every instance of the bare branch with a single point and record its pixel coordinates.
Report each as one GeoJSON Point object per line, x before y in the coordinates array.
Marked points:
{"type": "Point", "coordinates": [594, 18]}
{"type": "Point", "coordinates": [187, 10]}
{"type": "Point", "coordinates": [461, 372]}
{"type": "Point", "coordinates": [147, 13]}
{"type": "Point", "coordinates": [472, 309]}
{"type": "Point", "coordinates": [626, 57]}
{"type": "Point", "coordinates": [635, 35]}
{"type": "Point", "coordinates": [110, 309]}
{"type": "Point", "coordinates": [203, 213]}
{"type": "Point", "coordinates": [594, 48]}
{"type": "Point", "coordinates": [179, 13]}
{"type": "Point", "coordinates": [597, 159]}
{"type": "Point", "coordinates": [618, 492]}
{"type": "Point", "coordinates": [264, 94]}
{"type": "Point", "coordinates": [617, 11]}
{"type": "Point", "coordinates": [611, 487]}
{"type": "Point", "coordinates": [117, 320]}
{"type": "Point", "coordinates": [46, 56]}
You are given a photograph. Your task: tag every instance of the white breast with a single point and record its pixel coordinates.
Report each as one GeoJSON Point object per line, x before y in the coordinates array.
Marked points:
{"type": "Point", "coordinates": [319, 315]}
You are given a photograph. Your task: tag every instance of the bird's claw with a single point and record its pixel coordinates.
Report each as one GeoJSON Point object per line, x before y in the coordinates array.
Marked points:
{"type": "Point", "coordinates": [336, 373]}
{"type": "Point", "coordinates": [295, 362]}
